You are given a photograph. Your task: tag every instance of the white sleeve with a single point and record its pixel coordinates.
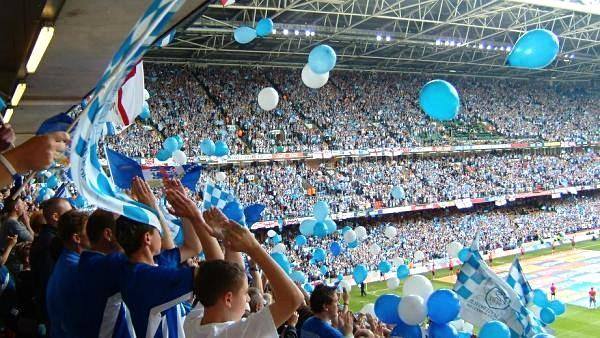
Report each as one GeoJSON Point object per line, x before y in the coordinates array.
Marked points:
{"type": "Point", "coordinates": [257, 325]}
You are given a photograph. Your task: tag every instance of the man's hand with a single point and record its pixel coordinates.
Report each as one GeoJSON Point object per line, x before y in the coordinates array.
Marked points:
{"type": "Point", "coordinates": [173, 184]}
{"type": "Point", "coordinates": [345, 296]}
{"type": "Point", "coordinates": [346, 323]}
{"type": "Point", "coordinates": [293, 319]}
{"type": "Point", "coordinates": [239, 238]}
{"type": "Point", "coordinates": [183, 207]}
{"type": "Point", "coordinates": [142, 192]}
{"type": "Point", "coordinates": [7, 137]}
{"type": "Point", "coordinates": [38, 152]}
{"type": "Point", "coordinates": [11, 241]}
{"type": "Point", "coordinates": [216, 221]}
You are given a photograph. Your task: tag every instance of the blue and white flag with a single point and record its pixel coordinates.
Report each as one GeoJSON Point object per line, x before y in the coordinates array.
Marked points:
{"type": "Point", "coordinates": [88, 176]}
{"type": "Point", "coordinates": [216, 196]}
{"type": "Point", "coordinates": [485, 296]}
{"type": "Point", "coordinates": [516, 279]}
{"type": "Point", "coordinates": [165, 40]}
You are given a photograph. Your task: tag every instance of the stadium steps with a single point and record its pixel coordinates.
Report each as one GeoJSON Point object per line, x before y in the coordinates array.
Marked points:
{"type": "Point", "coordinates": [217, 104]}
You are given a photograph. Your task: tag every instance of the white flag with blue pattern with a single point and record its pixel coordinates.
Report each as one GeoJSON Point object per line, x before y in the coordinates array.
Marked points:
{"type": "Point", "coordinates": [516, 279]}
{"type": "Point", "coordinates": [485, 296]}
{"type": "Point", "coordinates": [215, 196]}
{"type": "Point", "coordinates": [88, 176]}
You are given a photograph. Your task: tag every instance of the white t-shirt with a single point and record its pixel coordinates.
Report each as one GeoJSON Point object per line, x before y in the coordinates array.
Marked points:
{"type": "Point", "coordinates": [257, 325]}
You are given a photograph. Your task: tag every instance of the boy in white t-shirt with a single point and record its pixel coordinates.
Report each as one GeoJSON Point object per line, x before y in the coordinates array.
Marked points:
{"type": "Point", "coordinates": [221, 290]}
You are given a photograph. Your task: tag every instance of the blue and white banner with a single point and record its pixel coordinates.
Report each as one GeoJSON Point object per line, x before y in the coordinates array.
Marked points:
{"type": "Point", "coordinates": [516, 279]}
{"type": "Point", "coordinates": [485, 296]}
{"type": "Point", "coordinates": [88, 176]}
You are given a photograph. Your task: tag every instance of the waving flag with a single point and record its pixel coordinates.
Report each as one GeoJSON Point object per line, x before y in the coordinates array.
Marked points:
{"type": "Point", "coordinates": [88, 176]}
{"type": "Point", "coordinates": [516, 279]}
{"type": "Point", "coordinates": [216, 196]}
{"type": "Point", "coordinates": [485, 296]}
{"type": "Point", "coordinates": [130, 97]}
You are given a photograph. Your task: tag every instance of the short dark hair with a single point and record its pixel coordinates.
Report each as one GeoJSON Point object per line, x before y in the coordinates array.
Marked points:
{"type": "Point", "coordinates": [130, 233]}
{"type": "Point", "coordinates": [50, 206]}
{"type": "Point", "coordinates": [321, 296]}
{"type": "Point", "coordinates": [98, 221]}
{"type": "Point", "coordinates": [9, 204]}
{"type": "Point", "coordinates": [215, 278]}
{"type": "Point", "coordinates": [70, 223]}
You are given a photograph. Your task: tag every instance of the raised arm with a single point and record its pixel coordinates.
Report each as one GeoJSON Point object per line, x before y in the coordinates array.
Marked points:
{"type": "Point", "coordinates": [185, 208]}
{"type": "Point", "coordinates": [142, 193]}
{"type": "Point", "coordinates": [11, 241]}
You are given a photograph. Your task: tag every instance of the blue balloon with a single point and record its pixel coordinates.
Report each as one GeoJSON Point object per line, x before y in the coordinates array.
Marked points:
{"type": "Point", "coordinates": [235, 212]}
{"type": "Point", "coordinates": [360, 273]}
{"type": "Point", "coordinates": [207, 146]}
{"type": "Point", "coordinates": [547, 316]}
{"type": "Point", "coordinates": [312, 261]}
{"type": "Point", "coordinates": [276, 239]}
{"type": "Point", "coordinates": [540, 298]}
{"type": "Point", "coordinates": [308, 287]}
{"type": "Point", "coordinates": [557, 306]}
{"type": "Point", "coordinates": [320, 230]}
{"type": "Point", "coordinates": [464, 334]}
{"type": "Point", "coordinates": [536, 49]}
{"type": "Point", "coordinates": [340, 277]}
{"type": "Point", "coordinates": [406, 331]}
{"type": "Point", "coordinates": [170, 144]}
{"type": "Point", "coordinates": [52, 182]}
{"type": "Point", "coordinates": [386, 308]}
{"type": "Point", "coordinates": [163, 155]}
{"type": "Point", "coordinates": [403, 271]}
{"type": "Point", "coordinates": [145, 114]}
{"type": "Point", "coordinates": [298, 277]}
{"type": "Point", "coordinates": [244, 34]}
{"type": "Point", "coordinates": [282, 261]}
{"type": "Point", "coordinates": [322, 59]}
{"type": "Point", "coordinates": [323, 269]}
{"type": "Point", "coordinates": [443, 306]}
{"type": "Point", "coordinates": [300, 240]}
{"type": "Point", "coordinates": [321, 210]}
{"type": "Point", "coordinates": [79, 202]}
{"type": "Point", "coordinates": [346, 228]}
{"type": "Point", "coordinates": [442, 331]}
{"type": "Point", "coordinates": [307, 227]}
{"type": "Point", "coordinates": [439, 99]}
{"type": "Point", "coordinates": [179, 140]}
{"type": "Point", "coordinates": [335, 248]}
{"type": "Point", "coordinates": [385, 266]}
{"type": "Point", "coordinates": [353, 245]}
{"type": "Point", "coordinates": [264, 27]}
{"type": "Point", "coordinates": [330, 225]}
{"type": "Point", "coordinates": [319, 255]}
{"type": "Point", "coordinates": [464, 254]}
{"type": "Point", "coordinates": [543, 335]}
{"type": "Point", "coordinates": [398, 193]}
{"type": "Point", "coordinates": [221, 149]}
{"type": "Point", "coordinates": [494, 329]}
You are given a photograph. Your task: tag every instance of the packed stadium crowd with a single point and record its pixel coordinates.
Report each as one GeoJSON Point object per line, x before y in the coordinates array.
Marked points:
{"type": "Point", "coordinates": [504, 228]}
{"type": "Point", "coordinates": [365, 184]}
{"type": "Point", "coordinates": [220, 103]}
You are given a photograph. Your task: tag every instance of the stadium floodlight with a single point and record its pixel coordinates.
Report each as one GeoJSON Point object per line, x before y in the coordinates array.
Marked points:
{"type": "Point", "coordinates": [388, 38]}
{"type": "Point", "coordinates": [7, 115]}
{"type": "Point", "coordinates": [379, 38]}
{"type": "Point", "coordinates": [481, 46]}
{"type": "Point", "coordinates": [296, 32]}
{"type": "Point", "coordinates": [489, 47]}
{"type": "Point", "coordinates": [496, 48]}
{"type": "Point", "coordinates": [274, 31]}
{"type": "Point", "coordinates": [446, 43]}
{"type": "Point", "coordinates": [438, 42]}
{"type": "Point", "coordinates": [572, 56]}
{"type": "Point", "coordinates": [307, 33]}
{"type": "Point", "coordinates": [312, 33]}
{"type": "Point", "coordinates": [285, 31]}
{"type": "Point", "coordinates": [508, 48]}
{"type": "Point", "coordinates": [502, 48]}
{"type": "Point", "coordinates": [18, 94]}
{"type": "Point", "coordinates": [41, 44]}
{"type": "Point", "coordinates": [452, 43]}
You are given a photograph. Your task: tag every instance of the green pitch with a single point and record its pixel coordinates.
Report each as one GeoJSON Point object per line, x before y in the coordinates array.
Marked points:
{"type": "Point", "coordinates": [575, 323]}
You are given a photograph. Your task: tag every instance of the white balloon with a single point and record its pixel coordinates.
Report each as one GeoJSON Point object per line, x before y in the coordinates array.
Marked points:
{"type": "Point", "coordinates": [146, 95]}
{"type": "Point", "coordinates": [280, 247]}
{"type": "Point", "coordinates": [390, 232]}
{"type": "Point", "coordinates": [271, 233]}
{"type": "Point", "coordinates": [345, 285]}
{"type": "Point", "coordinates": [368, 308]}
{"type": "Point", "coordinates": [419, 255]}
{"type": "Point", "coordinates": [268, 98]}
{"type": "Point", "coordinates": [374, 249]}
{"type": "Point", "coordinates": [412, 309]}
{"type": "Point", "coordinates": [361, 232]}
{"type": "Point", "coordinates": [393, 283]}
{"type": "Point", "coordinates": [467, 327]}
{"type": "Point", "coordinates": [312, 79]}
{"type": "Point", "coordinates": [220, 176]}
{"type": "Point", "coordinates": [179, 157]}
{"type": "Point", "coordinates": [349, 236]}
{"type": "Point", "coordinates": [453, 248]}
{"type": "Point", "coordinates": [418, 285]}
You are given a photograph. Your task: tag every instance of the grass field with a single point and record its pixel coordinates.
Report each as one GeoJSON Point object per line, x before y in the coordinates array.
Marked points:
{"type": "Point", "coordinates": [577, 322]}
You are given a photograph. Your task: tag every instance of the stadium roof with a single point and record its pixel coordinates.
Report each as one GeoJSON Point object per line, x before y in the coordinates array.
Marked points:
{"type": "Point", "coordinates": [442, 37]}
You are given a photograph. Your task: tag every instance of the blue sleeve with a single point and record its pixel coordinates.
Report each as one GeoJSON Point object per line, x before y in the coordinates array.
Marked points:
{"type": "Point", "coordinates": [168, 258]}
{"type": "Point", "coordinates": [169, 283]}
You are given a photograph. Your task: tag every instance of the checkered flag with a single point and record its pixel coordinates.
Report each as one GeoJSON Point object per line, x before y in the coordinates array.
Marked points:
{"type": "Point", "coordinates": [516, 279]}
{"type": "Point", "coordinates": [215, 196]}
